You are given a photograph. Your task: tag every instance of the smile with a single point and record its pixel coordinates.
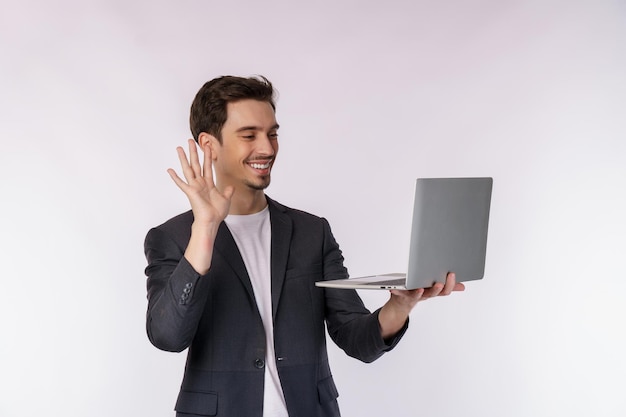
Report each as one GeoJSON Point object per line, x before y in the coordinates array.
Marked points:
{"type": "Point", "coordinates": [260, 166]}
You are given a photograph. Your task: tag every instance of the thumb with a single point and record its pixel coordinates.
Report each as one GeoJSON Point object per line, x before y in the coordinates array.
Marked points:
{"type": "Point", "coordinates": [228, 192]}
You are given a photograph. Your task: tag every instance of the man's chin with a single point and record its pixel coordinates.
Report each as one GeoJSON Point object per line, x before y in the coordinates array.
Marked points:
{"type": "Point", "coordinates": [260, 185]}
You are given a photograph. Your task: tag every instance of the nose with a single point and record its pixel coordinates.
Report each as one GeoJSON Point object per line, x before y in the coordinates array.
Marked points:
{"type": "Point", "coordinates": [266, 146]}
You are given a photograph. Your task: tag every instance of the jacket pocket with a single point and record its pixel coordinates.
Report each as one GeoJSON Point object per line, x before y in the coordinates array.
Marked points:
{"type": "Point", "coordinates": [199, 403]}
{"type": "Point", "coordinates": [327, 390]}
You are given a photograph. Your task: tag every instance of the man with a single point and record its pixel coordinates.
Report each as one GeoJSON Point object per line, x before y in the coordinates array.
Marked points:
{"type": "Point", "coordinates": [233, 279]}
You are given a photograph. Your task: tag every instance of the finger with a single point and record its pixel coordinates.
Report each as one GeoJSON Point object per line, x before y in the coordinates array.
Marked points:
{"type": "Point", "coordinates": [450, 284]}
{"type": "Point", "coordinates": [184, 163]}
{"type": "Point", "coordinates": [179, 182]}
{"type": "Point", "coordinates": [194, 160]}
{"type": "Point", "coordinates": [228, 192]}
{"type": "Point", "coordinates": [207, 165]}
{"type": "Point", "coordinates": [435, 290]}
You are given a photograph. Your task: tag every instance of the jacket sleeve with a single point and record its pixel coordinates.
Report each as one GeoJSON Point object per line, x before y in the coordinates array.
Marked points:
{"type": "Point", "coordinates": [350, 324]}
{"type": "Point", "coordinates": [175, 293]}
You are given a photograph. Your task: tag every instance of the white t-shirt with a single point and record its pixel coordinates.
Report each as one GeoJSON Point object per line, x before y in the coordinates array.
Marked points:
{"type": "Point", "coordinates": [253, 236]}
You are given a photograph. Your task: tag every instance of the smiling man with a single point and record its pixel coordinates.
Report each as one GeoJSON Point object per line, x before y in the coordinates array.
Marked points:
{"type": "Point", "coordinates": [233, 279]}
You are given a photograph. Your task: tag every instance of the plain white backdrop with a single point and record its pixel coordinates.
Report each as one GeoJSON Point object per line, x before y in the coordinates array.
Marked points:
{"type": "Point", "coordinates": [94, 98]}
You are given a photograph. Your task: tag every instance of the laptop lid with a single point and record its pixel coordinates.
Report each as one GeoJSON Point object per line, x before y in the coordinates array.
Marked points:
{"type": "Point", "coordinates": [448, 234]}
{"type": "Point", "coordinates": [449, 230]}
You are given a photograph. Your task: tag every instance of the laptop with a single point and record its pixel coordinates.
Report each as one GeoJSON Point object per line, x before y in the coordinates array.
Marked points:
{"type": "Point", "coordinates": [448, 234]}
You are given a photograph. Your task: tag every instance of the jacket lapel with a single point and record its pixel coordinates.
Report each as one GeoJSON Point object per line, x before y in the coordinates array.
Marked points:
{"type": "Point", "coordinates": [227, 249]}
{"type": "Point", "coordinates": [281, 242]}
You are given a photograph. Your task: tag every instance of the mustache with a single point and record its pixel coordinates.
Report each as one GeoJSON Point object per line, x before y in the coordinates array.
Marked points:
{"type": "Point", "coordinates": [261, 158]}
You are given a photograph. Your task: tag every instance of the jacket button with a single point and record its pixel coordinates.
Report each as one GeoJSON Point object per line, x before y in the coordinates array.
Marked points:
{"type": "Point", "coordinates": [259, 363]}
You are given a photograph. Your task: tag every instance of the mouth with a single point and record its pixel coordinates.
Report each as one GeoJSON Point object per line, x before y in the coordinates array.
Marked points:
{"type": "Point", "coordinates": [261, 167]}
{"type": "Point", "coordinates": [258, 165]}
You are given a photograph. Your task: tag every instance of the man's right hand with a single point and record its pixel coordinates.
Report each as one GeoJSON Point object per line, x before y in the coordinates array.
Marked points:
{"type": "Point", "coordinates": [209, 205]}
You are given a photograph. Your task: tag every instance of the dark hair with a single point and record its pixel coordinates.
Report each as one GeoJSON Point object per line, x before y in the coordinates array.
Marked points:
{"type": "Point", "coordinates": [208, 110]}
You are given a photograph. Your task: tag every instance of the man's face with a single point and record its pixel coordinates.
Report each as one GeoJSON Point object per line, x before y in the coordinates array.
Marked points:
{"type": "Point", "coordinates": [249, 145]}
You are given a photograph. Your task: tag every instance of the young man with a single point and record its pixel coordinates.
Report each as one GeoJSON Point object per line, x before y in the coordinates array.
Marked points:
{"type": "Point", "coordinates": [233, 279]}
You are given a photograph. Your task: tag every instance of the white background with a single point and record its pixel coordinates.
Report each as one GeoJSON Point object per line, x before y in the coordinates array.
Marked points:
{"type": "Point", "coordinates": [95, 97]}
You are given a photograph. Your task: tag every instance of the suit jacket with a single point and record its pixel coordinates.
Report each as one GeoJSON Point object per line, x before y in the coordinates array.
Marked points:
{"type": "Point", "coordinates": [216, 317]}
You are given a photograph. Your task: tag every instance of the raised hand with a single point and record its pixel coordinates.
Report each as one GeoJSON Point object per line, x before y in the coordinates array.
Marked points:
{"type": "Point", "coordinates": [208, 204]}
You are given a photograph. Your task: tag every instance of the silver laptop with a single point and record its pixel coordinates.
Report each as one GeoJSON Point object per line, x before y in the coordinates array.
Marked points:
{"type": "Point", "coordinates": [449, 234]}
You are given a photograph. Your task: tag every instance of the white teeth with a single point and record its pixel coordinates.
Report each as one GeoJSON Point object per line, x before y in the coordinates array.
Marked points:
{"type": "Point", "coordinates": [260, 166]}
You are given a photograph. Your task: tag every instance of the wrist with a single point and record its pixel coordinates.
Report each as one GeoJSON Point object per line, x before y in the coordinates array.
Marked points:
{"type": "Point", "coordinates": [392, 317]}
{"type": "Point", "coordinates": [205, 229]}
{"type": "Point", "coordinates": [199, 251]}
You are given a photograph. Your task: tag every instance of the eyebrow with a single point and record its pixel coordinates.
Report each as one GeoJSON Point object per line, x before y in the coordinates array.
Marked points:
{"type": "Point", "coordinates": [244, 128]}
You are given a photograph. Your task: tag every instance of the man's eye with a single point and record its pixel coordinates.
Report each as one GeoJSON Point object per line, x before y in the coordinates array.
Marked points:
{"type": "Point", "coordinates": [273, 135]}
{"type": "Point", "coordinates": [248, 136]}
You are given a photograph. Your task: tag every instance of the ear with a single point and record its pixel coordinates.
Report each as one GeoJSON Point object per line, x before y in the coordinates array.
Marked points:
{"type": "Point", "coordinates": [206, 139]}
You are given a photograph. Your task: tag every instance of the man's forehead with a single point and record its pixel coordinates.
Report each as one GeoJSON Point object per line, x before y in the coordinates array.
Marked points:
{"type": "Point", "coordinates": [250, 111]}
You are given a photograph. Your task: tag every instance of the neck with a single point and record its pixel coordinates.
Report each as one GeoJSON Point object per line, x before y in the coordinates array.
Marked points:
{"type": "Point", "coordinates": [247, 202]}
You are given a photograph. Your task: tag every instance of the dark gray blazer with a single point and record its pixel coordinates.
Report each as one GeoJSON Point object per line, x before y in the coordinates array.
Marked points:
{"type": "Point", "coordinates": [216, 317]}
